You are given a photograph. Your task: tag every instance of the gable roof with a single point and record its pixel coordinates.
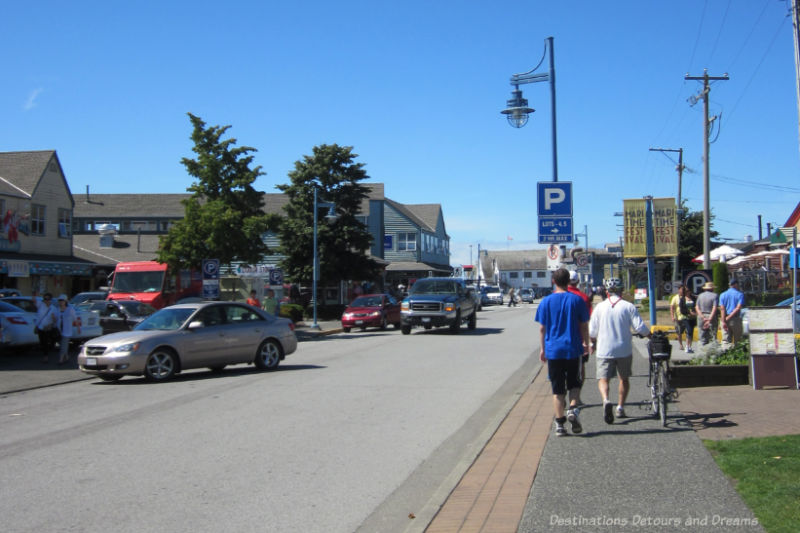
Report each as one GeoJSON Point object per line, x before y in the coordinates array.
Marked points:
{"type": "Point", "coordinates": [130, 205]}
{"type": "Point", "coordinates": [794, 218]}
{"type": "Point", "coordinates": [20, 172]}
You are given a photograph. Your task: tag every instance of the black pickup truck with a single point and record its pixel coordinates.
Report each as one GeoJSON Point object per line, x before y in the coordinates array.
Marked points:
{"type": "Point", "coordinates": [437, 302]}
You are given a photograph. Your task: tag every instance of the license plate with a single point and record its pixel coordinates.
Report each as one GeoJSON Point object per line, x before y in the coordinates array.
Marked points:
{"type": "Point", "coordinates": [426, 319]}
{"type": "Point", "coordinates": [359, 322]}
{"type": "Point", "coordinates": [91, 361]}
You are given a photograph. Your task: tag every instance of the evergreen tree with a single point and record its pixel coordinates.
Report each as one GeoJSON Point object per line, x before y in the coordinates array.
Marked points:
{"type": "Point", "coordinates": [342, 243]}
{"type": "Point", "coordinates": [691, 236]}
{"type": "Point", "coordinates": [224, 217]}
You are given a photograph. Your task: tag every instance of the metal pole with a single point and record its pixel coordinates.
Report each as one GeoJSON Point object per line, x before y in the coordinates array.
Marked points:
{"type": "Point", "coordinates": [316, 262]}
{"type": "Point", "coordinates": [552, 77]}
{"type": "Point", "coordinates": [706, 193]}
{"type": "Point", "coordinates": [678, 225]}
{"type": "Point", "coordinates": [651, 265]}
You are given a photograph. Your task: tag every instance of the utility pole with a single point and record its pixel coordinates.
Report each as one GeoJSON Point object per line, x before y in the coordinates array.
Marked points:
{"type": "Point", "coordinates": [796, 25]}
{"type": "Point", "coordinates": [678, 227]}
{"type": "Point", "coordinates": [705, 78]}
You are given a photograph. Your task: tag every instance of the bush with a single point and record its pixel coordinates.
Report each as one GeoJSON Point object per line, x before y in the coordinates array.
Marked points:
{"type": "Point", "coordinates": [738, 354]}
{"type": "Point", "coordinates": [719, 272]}
{"type": "Point", "coordinates": [293, 311]}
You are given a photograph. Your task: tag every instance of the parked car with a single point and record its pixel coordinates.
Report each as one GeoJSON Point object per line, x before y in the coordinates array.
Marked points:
{"type": "Point", "coordinates": [192, 335]}
{"type": "Point", "coordinates": [17, 327]}
{"type": "Point", "coordinates": [118, 315]}
{"type": "Point", "coordinates": [89, 295]}
{"type": "Point", "coordinates": [526, 295]}
{"type": "Point", "coordinates": [89, 321]}
{"type": "Point", "coordinates": [491, 294]}
{"type": "Point", "coordinates": [371, 310]}
{"type": "Point", "coordinates": [9, 292]}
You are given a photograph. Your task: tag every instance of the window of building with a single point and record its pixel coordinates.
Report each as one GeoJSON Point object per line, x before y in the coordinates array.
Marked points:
{"type": "Point", "coordinates": [527, 275]}
{"type": "Point", "coordinates": [38, 219]}
{"type": "Point", "coordinates": [541, 274]}
{"type": "Point", "coordinates": [406, 241]}
{"type": "Point", "coordinates": [513, 275]}
{"type": "Point", "coordinates": [64, 223]}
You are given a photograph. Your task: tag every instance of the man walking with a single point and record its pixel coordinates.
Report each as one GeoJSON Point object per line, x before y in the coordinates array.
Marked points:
{"type": "Point", "coordinates": [610, 330]}
{"type": "Point", "coordinates": [707, 313]}
{"type": "Point", "coordinates": [730, 310]}
{"type": "Point", "coordinates": [564, 338]}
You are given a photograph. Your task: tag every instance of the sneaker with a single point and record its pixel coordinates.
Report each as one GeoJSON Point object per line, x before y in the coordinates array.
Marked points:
{"type": "Point", "coordinates": [620, 412]}
{"type": "Point", "coordinates": [689, 350]}
{"type": "Point", "coordinates": [572, 416]}
{"type": "Point", "coordinates": [560, 430]}
{"type": "Point", "coordinates": [608, 413]}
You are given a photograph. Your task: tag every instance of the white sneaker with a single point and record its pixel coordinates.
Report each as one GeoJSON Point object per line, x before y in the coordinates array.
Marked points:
{"type": "Point", "coordinates": [572, 417]}
{"type": "Point", "coordinates": [620, 412]}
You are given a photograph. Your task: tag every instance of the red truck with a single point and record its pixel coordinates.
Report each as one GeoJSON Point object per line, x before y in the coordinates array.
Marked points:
{"type": "Point", "coordinates": [153, 283]}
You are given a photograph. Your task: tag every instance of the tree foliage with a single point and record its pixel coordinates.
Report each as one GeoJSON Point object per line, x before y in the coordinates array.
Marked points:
{"type": "Point", "coordinates": [342, 243]}
{"type": "Point", "coordinates": [224, 217]}
{"type": "Point", "coordinates": [691, 236]}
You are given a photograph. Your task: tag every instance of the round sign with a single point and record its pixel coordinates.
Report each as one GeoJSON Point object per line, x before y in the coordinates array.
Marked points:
{"type": "Point", "coordinates": [582, 260]}
{"type": "Point", "coordinates": [553, 251]}
{"type": "Point", "coordinates": [210, 267]}
{"type": "Point", "coordinates": [694, 281]}
{"type": "Point", "coordinates": [276, 276]}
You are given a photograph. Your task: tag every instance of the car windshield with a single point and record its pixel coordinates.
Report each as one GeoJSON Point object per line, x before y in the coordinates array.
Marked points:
{"type": "Point", "coordinates": [167, 319]}
{"type": "Point", "coordinates": [491, 289]}
{"type": "Point", "coordinates": [128, 282]}
{"type": "Point", "coordinates": [366, 301]}
{"type": "Point", "coordinates": [426, 286]}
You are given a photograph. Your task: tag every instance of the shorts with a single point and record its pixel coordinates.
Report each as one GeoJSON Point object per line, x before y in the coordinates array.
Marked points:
{"type": "Point", "coordinates": [564, 374]}
{"type": "Point", "coordinates": [685, 325]}
{"type": "Point", "coordinates": [608, 367]}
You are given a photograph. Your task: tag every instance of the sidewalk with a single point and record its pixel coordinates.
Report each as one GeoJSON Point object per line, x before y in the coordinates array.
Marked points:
{"type": "Point", "coordinates": [631, 475]}
{"type": "Point", "coordinates": [22, 371]}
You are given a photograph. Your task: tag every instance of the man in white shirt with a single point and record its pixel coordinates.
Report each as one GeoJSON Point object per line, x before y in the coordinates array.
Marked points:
{"type": "Point", "coordinates": [610, 329]}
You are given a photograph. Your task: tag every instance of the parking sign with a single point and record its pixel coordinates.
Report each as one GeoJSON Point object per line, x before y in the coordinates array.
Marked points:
{"type": "Point", "coordinates": [554, 198]}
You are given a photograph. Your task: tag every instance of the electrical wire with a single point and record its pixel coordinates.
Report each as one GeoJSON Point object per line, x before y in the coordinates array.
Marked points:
{"type": "Point", "coordinates": [749, 35]}
{"type": "Point", "coordinates": [719, 33]}
{"type": "Point", "coordinates": [756, 185]}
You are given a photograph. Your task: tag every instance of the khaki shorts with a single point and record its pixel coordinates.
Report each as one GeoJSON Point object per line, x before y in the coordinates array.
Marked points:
{"type": "Point", "coordinates": [608, 367]}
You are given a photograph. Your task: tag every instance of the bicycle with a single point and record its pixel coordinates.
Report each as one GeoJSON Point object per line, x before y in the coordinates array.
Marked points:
{"type": "Point", "coordinates": [660, 350]}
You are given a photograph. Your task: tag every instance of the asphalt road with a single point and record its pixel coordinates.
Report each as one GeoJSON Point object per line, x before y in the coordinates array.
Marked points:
{"type": "Point", "coordinates": [354, 431]}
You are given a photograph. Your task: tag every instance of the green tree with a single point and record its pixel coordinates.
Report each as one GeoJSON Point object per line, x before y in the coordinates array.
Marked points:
{"type": "Point", "coordinates": [720, 274]}
{"type": "Point", "coordinates": [691, 236]}
{"type": "Point", "coordinates": [224, 216]}
{"type": "Point", "coordinates": [342, 243]}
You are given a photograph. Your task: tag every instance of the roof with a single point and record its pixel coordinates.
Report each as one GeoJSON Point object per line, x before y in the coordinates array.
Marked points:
{"type": "Point", "coordinates": [426, 216]}
{"type": "Point", "coordinates": [129, 205]}
{"type": "Point", "coordinates": [20, 172]}
{"type": "Point", "coordinates": [794, 218]}
{"type": "Point", "coordinates": [514, 260]}
{"type": "Point", "coordinates": [126, 248]}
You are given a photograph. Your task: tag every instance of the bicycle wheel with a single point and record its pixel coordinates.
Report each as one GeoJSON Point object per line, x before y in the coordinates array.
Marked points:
{"type": "Point", "coordinates": [662, 394]}
{"type": "Point", "coordinates": [654, 387]}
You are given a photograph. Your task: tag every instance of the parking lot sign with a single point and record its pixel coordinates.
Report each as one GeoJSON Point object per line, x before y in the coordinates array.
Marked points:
{"type": "Point", "coordinates": [554, 198]}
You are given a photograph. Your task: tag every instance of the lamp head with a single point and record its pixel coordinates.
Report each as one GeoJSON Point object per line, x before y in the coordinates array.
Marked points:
{"type": "Point", "coordinates": [517, 109]}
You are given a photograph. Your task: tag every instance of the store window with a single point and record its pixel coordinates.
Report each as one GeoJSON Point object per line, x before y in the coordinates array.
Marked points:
{"type": "Point", "coordinates": [64, 223]}
{"type": "Point", "coordinates": [406, 241]}
{"type": "Point", "coordinates": [38, 219]}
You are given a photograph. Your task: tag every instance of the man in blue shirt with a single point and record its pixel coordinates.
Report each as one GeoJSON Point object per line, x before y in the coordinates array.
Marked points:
{"type": "Point", "coordinates": [564, 332]}
{"type": "Point", "coordinates": [730, 312]}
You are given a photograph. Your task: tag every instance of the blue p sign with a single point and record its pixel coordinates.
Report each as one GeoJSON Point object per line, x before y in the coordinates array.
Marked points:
{"type": "Point", "coordinates": [555, 198]}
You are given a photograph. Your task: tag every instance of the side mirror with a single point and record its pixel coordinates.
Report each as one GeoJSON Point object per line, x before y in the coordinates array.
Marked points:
{"type": "Point", "coordinates": [195, 324]}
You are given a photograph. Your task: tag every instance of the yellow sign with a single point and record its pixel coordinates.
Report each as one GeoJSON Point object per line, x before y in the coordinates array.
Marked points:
{"type": "Point", "coordinates": [665, 226]}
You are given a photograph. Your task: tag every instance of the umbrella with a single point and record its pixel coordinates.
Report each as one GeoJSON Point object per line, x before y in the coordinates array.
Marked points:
{"type": "Point", "coordinates": [718, 253]}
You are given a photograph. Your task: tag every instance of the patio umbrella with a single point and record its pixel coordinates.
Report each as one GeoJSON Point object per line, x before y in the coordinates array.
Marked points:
{"type": "Point", "coordinates": [719, 252]}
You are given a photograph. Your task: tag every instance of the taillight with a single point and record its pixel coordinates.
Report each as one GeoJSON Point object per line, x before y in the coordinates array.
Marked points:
{"type": "Point", "coordinates": [17, 320]}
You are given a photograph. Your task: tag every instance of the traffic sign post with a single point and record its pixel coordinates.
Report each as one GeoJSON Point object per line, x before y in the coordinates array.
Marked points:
{"type": "Point", "coordinates": [211, 279]}
{"type": "Point", "coordinates": [554, 207]}
{"type": "Point", "coordinates": [555, 230]}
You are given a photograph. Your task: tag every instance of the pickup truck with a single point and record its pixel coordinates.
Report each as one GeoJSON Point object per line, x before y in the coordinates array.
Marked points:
{"type": "Point", "coordinates": [437, 302]}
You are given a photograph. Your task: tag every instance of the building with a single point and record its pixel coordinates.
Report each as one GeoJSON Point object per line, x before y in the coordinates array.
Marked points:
{"type": "Point", "coordinates": [36, 241]}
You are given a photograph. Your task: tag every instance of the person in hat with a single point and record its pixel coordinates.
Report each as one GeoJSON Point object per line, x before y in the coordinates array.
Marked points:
{"type": "Point", "coordinates": [707, 309]}
{"type": "Point", "coordinates": [730, 312]}
{"type": "Point", "coordinates": [65, 320]}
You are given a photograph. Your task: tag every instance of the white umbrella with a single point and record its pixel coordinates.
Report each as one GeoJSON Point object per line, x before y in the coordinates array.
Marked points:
{"type": "Point", "coordinates": [718, 253]}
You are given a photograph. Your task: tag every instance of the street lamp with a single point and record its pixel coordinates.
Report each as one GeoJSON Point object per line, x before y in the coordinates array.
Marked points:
{"type": "Point", "coordinates": [517, 109]}
{"type": "Point", "coordinates": [331, 215]}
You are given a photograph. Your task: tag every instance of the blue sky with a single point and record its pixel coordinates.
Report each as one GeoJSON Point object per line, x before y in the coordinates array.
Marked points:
{"type": "Point", "coordinates": [416, 87]}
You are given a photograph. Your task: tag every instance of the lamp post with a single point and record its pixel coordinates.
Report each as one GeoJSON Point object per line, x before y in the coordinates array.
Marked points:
{"type": "Point", "coordinates": [517, 109]}
{"type": "Point", "coordinates": [331, 214]}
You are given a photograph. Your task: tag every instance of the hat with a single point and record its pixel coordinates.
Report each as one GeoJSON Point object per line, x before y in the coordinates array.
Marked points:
{"type": "Point", "coordinates": [63, 297]}
{"type": "Point", "coordinates": [573, 276]}
{"type": "Point", "coordinates": [708, 286]}
{"type": "Point", "coordinates": [734, 281]}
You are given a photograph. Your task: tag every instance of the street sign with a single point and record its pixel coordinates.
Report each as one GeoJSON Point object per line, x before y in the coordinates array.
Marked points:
{"type": "Point", "coordinates": [555, 198]}
{"type": "Point", "coordinates": [695, 280]}
{"type": "Point", "coordinates": [555, 230]}
{"type": "Point", "coordinates": [276, 276]}
{"type": "Point", "coordinates": [553, 257]}
{"type": "Point", "coordinates": [211, 279]}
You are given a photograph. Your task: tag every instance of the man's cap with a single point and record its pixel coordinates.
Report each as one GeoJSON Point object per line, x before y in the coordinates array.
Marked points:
{"type": "Point", "coordinates": [63, 297]}
{"type": "Point", "coordinates": [573, 276]}
{"type": "Point", "coordinates": [708, 286]}
{"type": "Point", "coordinates": [734, 281]}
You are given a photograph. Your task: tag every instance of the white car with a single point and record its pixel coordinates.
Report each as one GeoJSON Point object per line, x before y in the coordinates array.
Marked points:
{"type": "Point", "coordinates": [16, 327]}
{"type": "Point", "coordinates": [89, 327]}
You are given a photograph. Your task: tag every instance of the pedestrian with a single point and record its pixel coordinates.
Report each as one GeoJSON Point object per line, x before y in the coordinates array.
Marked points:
{"type": "Point", "coordinates": [730, 312]}
{"type": "Point", "coordinates": [612, 343]}
{"type": "Point", "coordinates": [271, 304]}
{"type": "Point", "coordinates": [574, 279]}
{"type": "Point", "coordinates": [45, 326]}
{"type": "Point", "coordinates": [511, 297]}
{"type": "Point", "coordinates": [65, 320]}
{"type": "Point", "coordinates": [253, 300]}
{"type": "Point", "coordinates": [564, 338]}
{"type": "Point", "coordinates": [707, 311]}
{"type": "Point", "coordinates": [682, 310]}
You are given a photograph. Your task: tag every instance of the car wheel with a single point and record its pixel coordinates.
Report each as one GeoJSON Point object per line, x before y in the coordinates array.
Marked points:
{"type": "Point", "coordinates": [455, 327]}
{"type": "Point", "coordinates": [397, 325]}
{"type": "Point", "coordinates": [363, 328]}
{"type": "Point", "coordinates": [110, 378]}
{"type": "Point", "coordinates": [383, 324]}
{"type": "Point", "coordinates": [161, 365]}
{"type": "Point", "coordinates": [405, 329]}
{"type": "Point", "coordinates": [346, 330]}
{"type": "Point", "coordinates": [473, 320]}
{"type": "Point", "coordinates": [269, 355]}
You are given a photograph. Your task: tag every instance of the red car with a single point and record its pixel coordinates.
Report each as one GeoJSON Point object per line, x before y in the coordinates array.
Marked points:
{"type": "Point", "coordinates": [371, 310]}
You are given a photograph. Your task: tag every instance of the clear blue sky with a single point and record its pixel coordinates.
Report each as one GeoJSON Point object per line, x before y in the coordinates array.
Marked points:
{"type": "Point", "coordinates": [416, 87]}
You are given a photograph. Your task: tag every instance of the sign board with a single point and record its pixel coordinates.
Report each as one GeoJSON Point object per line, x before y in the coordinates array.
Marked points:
{"type": "Point", "coordinates": [695, 279]}
{"type": "Point", "coordinates": [555, 229]}
{"type": "Point", "coordinates": [388, 242]}
{"type": "Point", "coordinates": [772, 348]}
{"type": "Point", "coordinates": [276, 276]}
{"type": "Point", "coordinates": [665, 227]}
{"type": "Point", "coordinates": [211, 279]}
{"type": "Point", "coordinates": [555, 198]}
{"type": "Point", "coordinates": [553, 257]}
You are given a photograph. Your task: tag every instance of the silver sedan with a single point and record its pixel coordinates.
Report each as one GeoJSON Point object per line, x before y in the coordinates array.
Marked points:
{"type": "Point", "coordinates": [192, 335]}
